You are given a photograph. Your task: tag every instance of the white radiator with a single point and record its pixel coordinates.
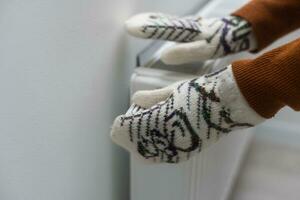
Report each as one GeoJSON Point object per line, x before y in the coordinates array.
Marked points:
{"type": "Point", "coordinates": [211, 174]}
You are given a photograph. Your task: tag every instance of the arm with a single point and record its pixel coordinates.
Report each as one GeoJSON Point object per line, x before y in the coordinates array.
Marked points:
{"type": "Point", "coordinates": [270, 19]}
{"type": "Point", "coordinates": [272, 80]}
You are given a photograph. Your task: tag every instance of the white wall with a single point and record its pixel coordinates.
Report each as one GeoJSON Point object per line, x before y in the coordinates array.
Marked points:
{"type": "Point", "coordinates": [64, 72]}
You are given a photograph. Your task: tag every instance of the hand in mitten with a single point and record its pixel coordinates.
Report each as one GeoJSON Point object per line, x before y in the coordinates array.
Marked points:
{"type": "Point", "coordinates": [199, 39]}
{"type": "Point", "coordinates": [180, 120]}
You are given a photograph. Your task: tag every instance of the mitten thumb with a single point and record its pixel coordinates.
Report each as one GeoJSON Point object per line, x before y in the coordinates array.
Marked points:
{"type": "Point", "coordinates": [148, 98]}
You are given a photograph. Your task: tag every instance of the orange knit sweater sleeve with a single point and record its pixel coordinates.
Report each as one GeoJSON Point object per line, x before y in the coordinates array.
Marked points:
{"type": "Point", "coordinates": [272, 80]}
{"type": "Point", "coordinates": [271, 19]}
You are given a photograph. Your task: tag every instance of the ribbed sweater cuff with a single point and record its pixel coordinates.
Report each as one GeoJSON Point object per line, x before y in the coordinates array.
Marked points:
{"type": "Point", "coordinates": [255, 89]}
{"type": "Point", "coordinates": [272, 80]}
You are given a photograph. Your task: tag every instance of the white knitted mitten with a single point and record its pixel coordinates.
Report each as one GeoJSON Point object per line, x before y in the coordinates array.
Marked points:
{"type": "Point", "coordinates": [178, 121]}
{"type": "Point", "coordinates": [200, 39]}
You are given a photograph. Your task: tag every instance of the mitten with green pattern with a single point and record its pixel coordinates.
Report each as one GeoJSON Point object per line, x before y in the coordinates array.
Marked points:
{"type": "Point", "coordinates": [199, 39]}
{"type": "Point", "coordinates": [176, 122]}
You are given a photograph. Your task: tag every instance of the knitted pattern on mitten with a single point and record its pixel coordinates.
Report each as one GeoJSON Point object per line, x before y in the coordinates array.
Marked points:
{"type": "Point", "coordinates": [181, 120]}
{"type": "Point", "coordinates": [200, 39]}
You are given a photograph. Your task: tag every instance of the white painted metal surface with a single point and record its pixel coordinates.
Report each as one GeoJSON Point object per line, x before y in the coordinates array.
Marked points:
{"type": "Point", "coordinates": [208, 175]}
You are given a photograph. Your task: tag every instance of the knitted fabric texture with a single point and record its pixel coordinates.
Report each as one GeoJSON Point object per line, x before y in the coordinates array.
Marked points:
{"type": "Point", "coordinates": [200, 39]}
{"type": "Point", "coordinates": [271, 19]}
{"type": "Point", "coordinates": [181, 120]}
{"type": "Point", "coordinates": [272, 80]}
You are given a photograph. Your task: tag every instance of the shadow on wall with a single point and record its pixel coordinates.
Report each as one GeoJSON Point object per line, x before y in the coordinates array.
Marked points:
{"type": "Point", "coordinates": [120, 101]}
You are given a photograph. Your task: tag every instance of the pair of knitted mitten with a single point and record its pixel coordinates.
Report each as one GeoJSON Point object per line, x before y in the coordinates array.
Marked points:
{"type": "Point", "coordinates": [198, 39]}
{"type": "Point", "coordinates": [176, 122]}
